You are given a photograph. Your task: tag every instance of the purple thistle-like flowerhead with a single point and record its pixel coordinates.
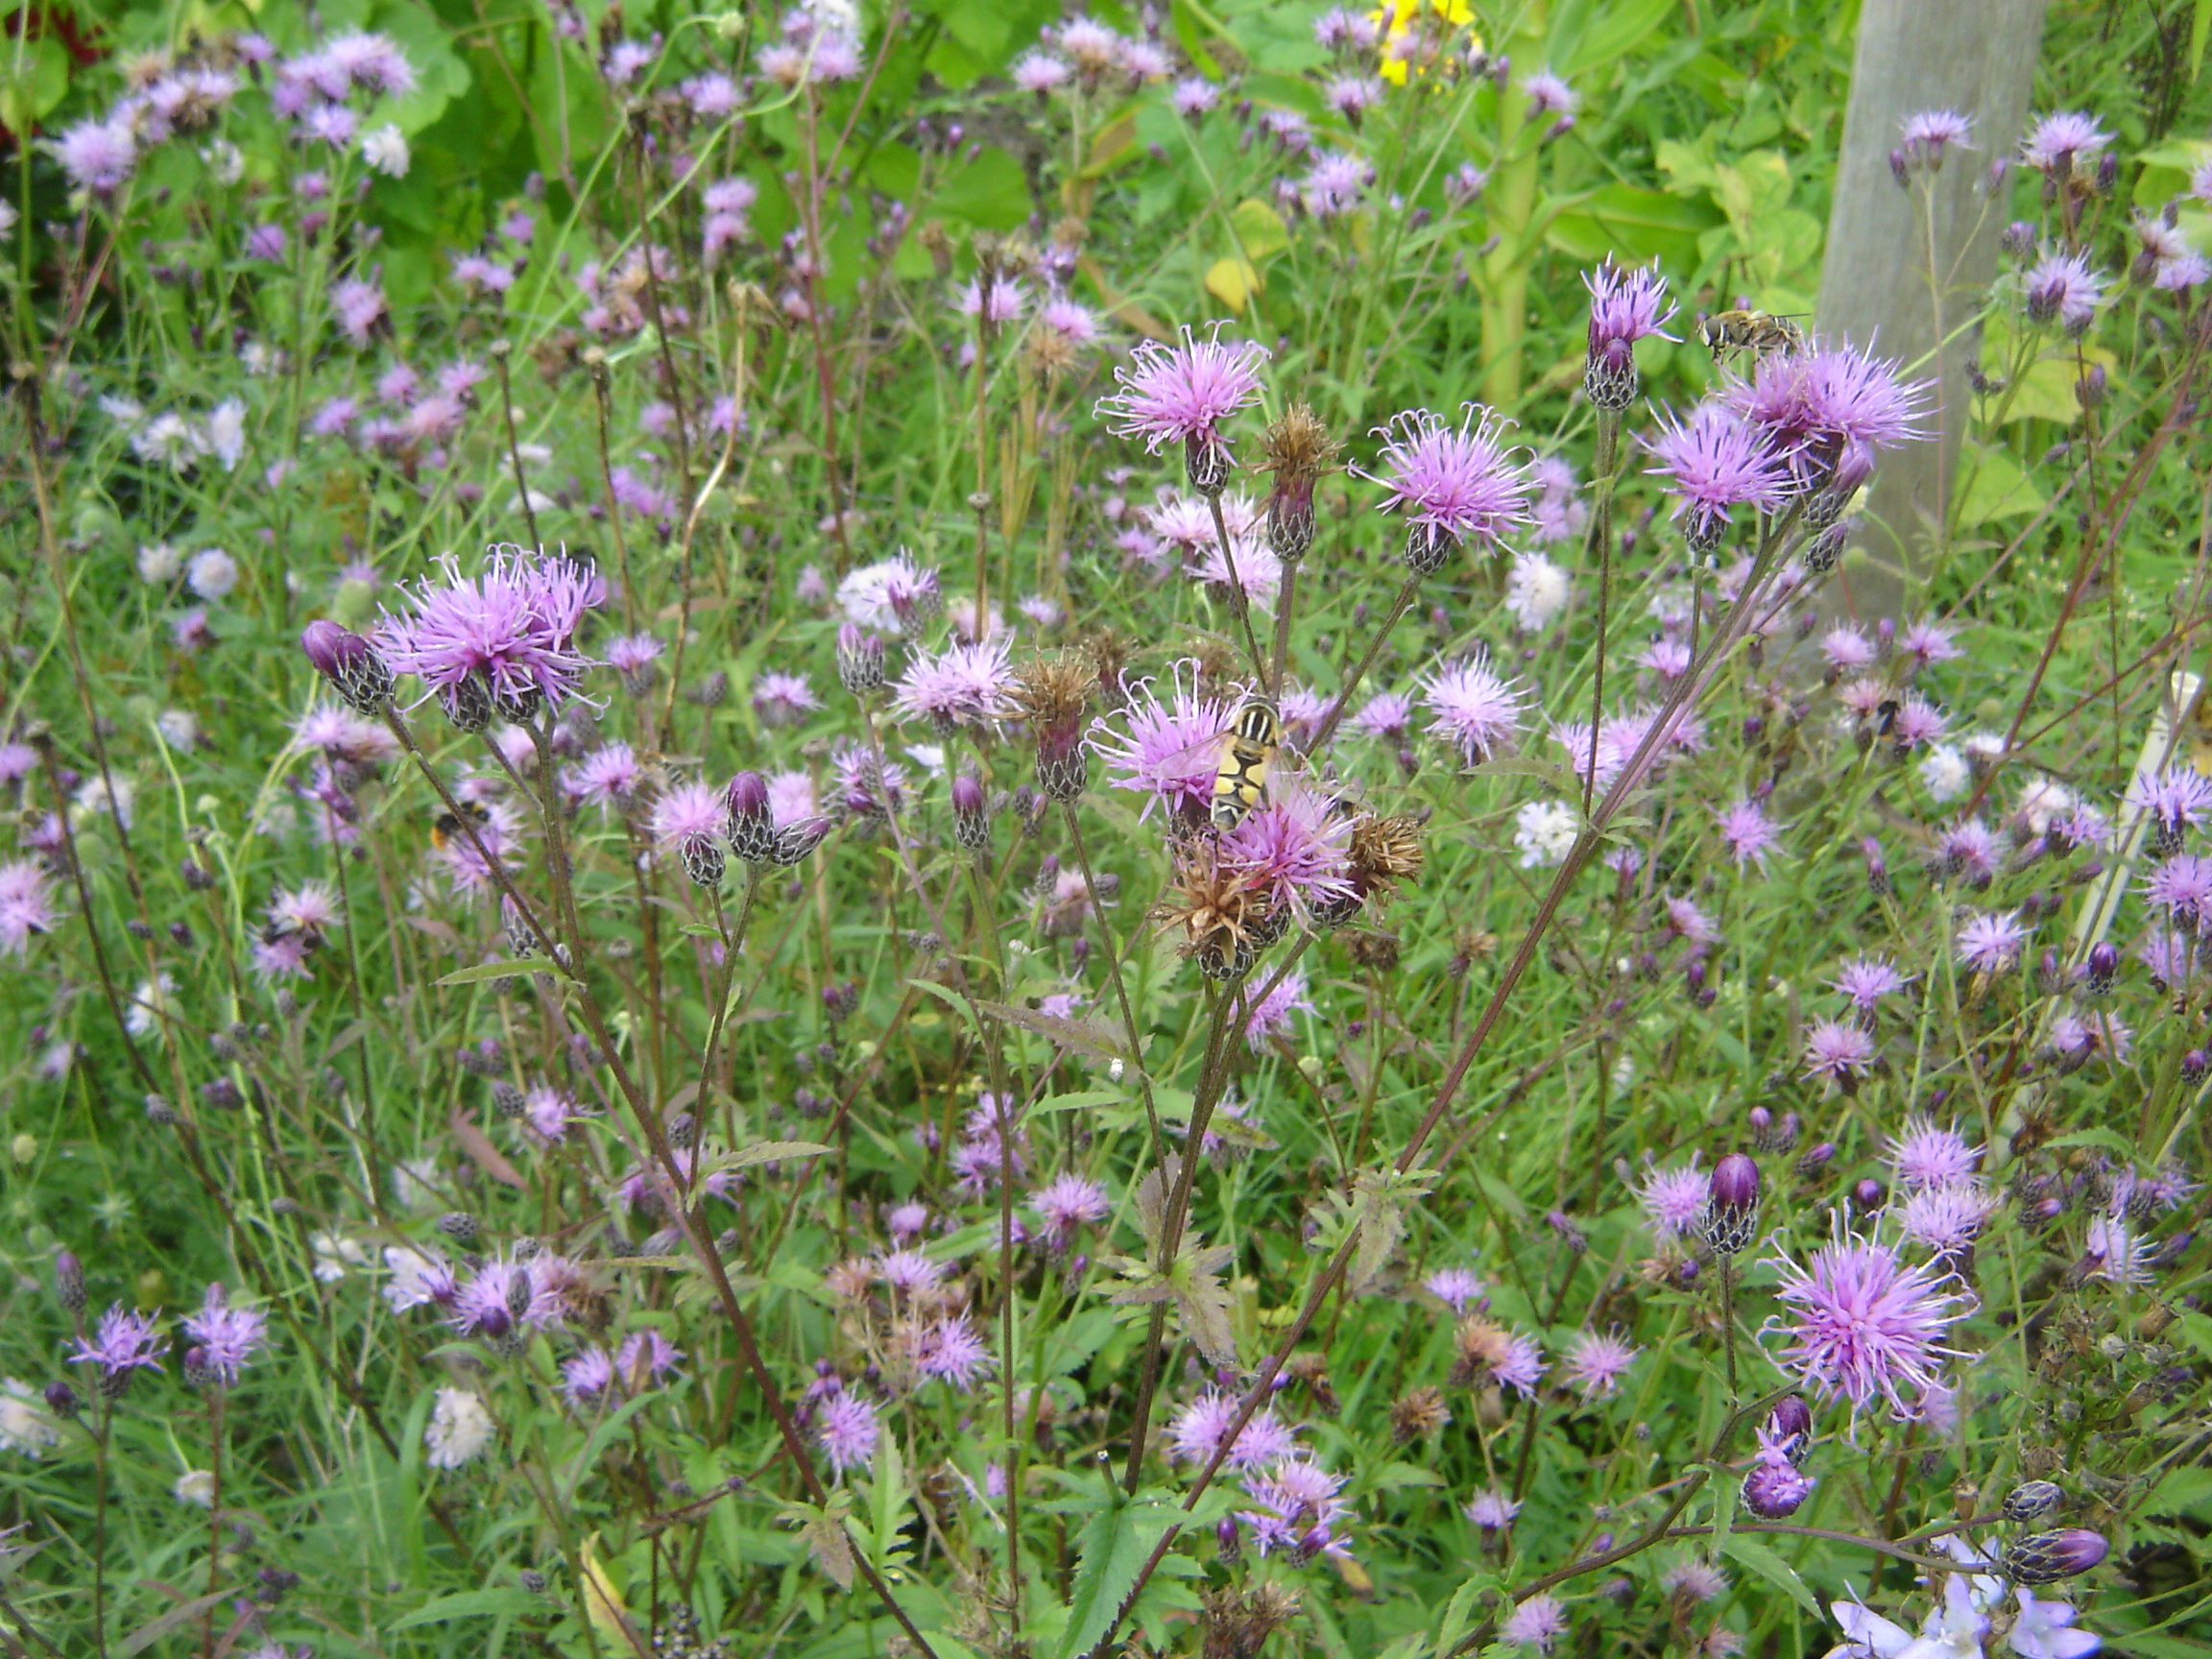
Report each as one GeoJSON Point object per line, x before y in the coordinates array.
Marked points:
{"type": "Point", "coordinates": [1930, 132]}
{"type": "Point", "coordinates": [1298, 1509]}
{"type": "Point", "coordinates": [1624, 307]}
{"type": "Point", "coordinates": [1171, 750]}
{"type": "Point", "coordinates": [2175, 800]}
{"type": "Point", "coordinates": [2065, 289]}
{"type": "Point", "coordinates": [1775, 1489]}
{"type": "Point", "coordinates": [1491, 1509]}
{"type": "Point", "coordinates": [1200, 1428]}
{"type": "Point", "coordinates": [1926, 1156]}
{"type": "Point", "coordinates": [1989, 942]}
{"type": "Point", "coordinates": [225, 1336]}
{"type": "Point", "coordinates": [354, 667]}
{"type": "Point", "coordinates": [962, 685]}
{"type": "Point", "coordinates": [1456, 1287]}
{"type": "Point", "coordinates": [1334, 184]}
{"type": "Point", "coordinates": [1040, 72]}
{"type": "Point", "coordinates": [1866, 980]}
{"type": "Point", "coordinates": [1181, 394]}
{"type": "Point", "coordinates": [1829, 410]}
{"type": "Point", "coordinates": [1066, 1202]}
{"type": "Point", "coordinates": [844, 1430]}
{"type": "Point", "coordinates": [586, 1377]}
{"type": "Point", "coordinates": [2182, 888]}
{"type": "Point", "coordinates": [1673, 1200]}
{"type": "Point", "coordinates": [1453, 485]}
{"type": "Point", "coordinates": [1270, 1016]}
{"type": "Point", "coordinates": [1478, 710]}
{"type": "Point", "coordinates": [950, 1351]}
{"type": "Point", "coordinates": [26, 904]}
{"type": "Point", "coordinates": [2046, 1557]}
{"type": "Point", "coordinates": [1865, 1323]}
{"type": "Point", "coordinates": [98, 155]}
{"type": "Point", "coordinates": [607, 776]}
{"type": "Point", "coordinates": [1715, 462]}
{"type": "Point", "coordinates": [1946, 1218]}
{"type": "Point", "coordinates": [1840, 1053]}
{"type": "Point", "coordinates": [2054, 144]}
{"type": "Point", "coordinates": [1595, 1363]}
{"type": "Point", "coordinates": [1296, 848]}
{"type": "Point", "coordinates": [125, 1341]}
{"type": "Point", "coordinates": [1193, 96]}
{"type": "Point", "coordinates": [1536, 1623]}
{"type": "Point", "coordinates": [507, 636]}
{"type": "Point", "coordinates": [1750, 832]}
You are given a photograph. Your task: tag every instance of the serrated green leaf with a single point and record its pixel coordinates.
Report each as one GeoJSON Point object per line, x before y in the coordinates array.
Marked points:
{"type": "Point", "coordinates": [2183, 1491]}
{"type": "Point", "coordinates": [1110, 1552]}
{"type": "Point", "coordinates": [1747, 1551]}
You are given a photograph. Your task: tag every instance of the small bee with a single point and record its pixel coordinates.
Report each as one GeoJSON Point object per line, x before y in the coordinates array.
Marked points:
{"type": "Point", "coordinates": [1247, 750]}
{"type": "Point", "coordinates": [446, 826]}
{"type": "Point", "coordinates": [1757, 332]}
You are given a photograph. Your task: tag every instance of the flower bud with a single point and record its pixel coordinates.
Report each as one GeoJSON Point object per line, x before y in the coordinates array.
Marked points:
{"type": "Point", "coordinates": [1228, 1540]}
{"type": "Point", "coordinates": [1900, 169]}
{"type": "Point", "coordinates": [1867, 1195]}
{"type": "Point", "coordinates": [69, 1281]}
{"type": "Point", "coordinates": [1790, 1425]}
{"type": "Point", "coordinates": [2193, 1065]}
{"type": "Point", "coordinates": [61, 1400]}
{"type": "Point", "coordinates": [2046, 1558]}
{"type": "Point", "coordinates": [1774, 1491]}
{"type": "Point", "coordinates": [752, 827]}
{"type": "Point", "coordinates": [2031, 1499]}
{"type": "Point", "coordinates": [2102, 967]}
{"type": "Point", "coordinates": [859, 658]}
{"type": "Point", "coordinates": [1817, 1157]}
{"type": "Point", "coordinates": [1732, 1204]}
{"type": "Point", "coordinates": [796, 840]}
{"type": "Point", "coordinates": [970, 808]}
{"type": "Point", "coordinates": [351, 664]}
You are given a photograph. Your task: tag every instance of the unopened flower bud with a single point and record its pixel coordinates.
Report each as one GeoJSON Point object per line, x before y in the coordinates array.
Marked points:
{"type": "Point", "coordinates": [971, 810]}
{"type": "Point", "coordinates": [2046, 1558]}
{"type": "Point", "coordinates": [458, 1226]}
{"type": "Point", "coordinates": [1732, 1204]}
{"type": "Point", "coordinates": [859, 658]}
{"type": "Point", "coordinates": [1774, 1491]}
{"type": "Point", "coordinates": [69, 1281]}
{"type": "Point", "coordinates": [1817, 1157]}
{"type": "Point", "coordinates": [351, 664]}
{"type": "Point", "coordinates": [2031, 1499]}
{"type": "Point", "coordinates": [2101, 968]}
{"type": "Point", "coordinates": [1229, 1540]}
{"type": "Point", "coordinates": [752, 827]}
{"type": "Point", "coordinates": [1790, 1425]}
{"type": "Point", "coordinates": [799, 838]}
{"type": "Point", "coordinates": [1867, 1195]}
{"type": "Point", "coordinates": [1877, 867]}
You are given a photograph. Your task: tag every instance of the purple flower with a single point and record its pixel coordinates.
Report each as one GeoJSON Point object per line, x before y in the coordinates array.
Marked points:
{"type": "Point", "coordinates": [225, 1337]}
{"type": "Point", "coordinates": [1454, 1287]}
{"type": "Point", "coordinates": [1929, 133]}
{"type": "Point", "coordinates": [783, 699]}
{"type": "Point", "coordinates": [1594, 1362]}
{"type": "Point", "coordinates": [997, 301]}
{"type": "Point", "coordinates": [1536, 1623]}
{"type": "Point", "coordinates": [1831, 409]}
{"type": "Point", "coordinates": [1270, 1016]}
{"type": "Point", "coordinates": [1714, 463]}
{"type": "Point", "coordinates": [1866, 980]}
{"type": "Point", "coordinates": [1296, 848]}
{"type": "Point", "coordinates": [2175, 800]}
{"type": "Point", "coordinates": [1181, 394]}
{"type": "Point", "coordinates": [1039, 72]}
{"type": "Point", "coordinates": [1491, 1510]}
{"type": "Point", "coordinates": [1926, 1156]}
{"type": "Point", "coordinates": [951, 1350]}
{"type": "Point", "coordinates": [607, 776]}
{"type": "Point", "coordinates": [1352, 96]}
{"type": "Point", "coordinates": [98, 156]}
{"type": "Point", "coordinates": [1549, 95]}
{"type": "Point", "coordinates": [1750, 832]}
{"type": "Point", "coordinates": [1298, 1510]}
{"type": "Point", "coordinates": [586, 1377]}
{"type": "Point", "coordinates": [688, 819]}
{"type": "Point", "coordinates": [1387, 715]}
{"type": "Point", "coordinates": [26, 904]}
{"type": "Point", "coordinates": [2041, 1631]}
{"type": "Point", "coordinates": [2056, 142]}
{"type": "Point", "coordinates": [358, 305]}
{"type": "Point", "coordinates": [1989, 942]}
{"type": "Point", "coordinates": [1925, 643]}
{"type": "Point", "coordinates": [1865, 1323]}
{"type": "Point", "coordinates": [505, 640]}
{"type": "Point", "coordinates": [1841, 1053]}
{"type": "Point", "coordinates": [125, 1341]}
{"type": "Point", "coordinates": [1946, 1218]}
{"type": "Point", "coordinates": [1476, 709]}
{"type": "Point", "coordinates": [1334, 184]}
{"type": "Point", "coordinates": [962, 685]}
{"type": "Point", "coordinates": [844, 1430]}
{"type": "Point", "coordinates": [1172, 749]}
{"type": "Point", "coordinates": [1066, 1202]}
{"type": "Point", "coordinates": [1673, 1200]}
{"type": "Point", "coordinates": [548, 1112]}
{"type": "Point", "coordinates": [1193, 96]}
{"type": "Point", "coordinates": [1453, 484]}
{"type": "Point", "coordinates": [1199, 1429]}
{"type": "Point", "coordinates": [1624, 310]}
{"type": "Point", "coordinates": [2064, 289]}
{"type": "Point", "coordinates": [2182, 888]}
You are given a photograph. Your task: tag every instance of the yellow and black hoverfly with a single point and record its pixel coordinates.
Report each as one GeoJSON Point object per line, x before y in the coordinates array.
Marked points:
{"type": "Point", "coordinates": [446, 826]}
{"type": "Point", "coordinates": [1247, 750]}
{"type": "Point", "coordinates": [1757, 332]}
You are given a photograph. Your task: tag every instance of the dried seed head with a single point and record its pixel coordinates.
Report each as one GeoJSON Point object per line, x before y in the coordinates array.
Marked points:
{"type": "Point", "coordinates": [1419, 1414]}
{"type": "Point", "coordinates": [1218, 910]}
{"type": "Point", "coordinates": [1383, 853]}
{"type": "Point", "coordinates": [1311, 1369]}
{"type": "Point", "coordinates": [1108, 658]}
{"type": "Point", "coordinates": [1297, 447]}
{"type": "Point", "coordinates": [1053, 693]}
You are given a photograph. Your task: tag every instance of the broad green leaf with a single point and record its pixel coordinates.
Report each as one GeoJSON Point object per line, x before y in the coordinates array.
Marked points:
{"type": "Point", "coordinates": [1633, 225]}
{"type": "Point", "coordinates": [1997, 488]}
{"type": "Point", "coordinates": [1110, 1552]}
{"type": "Point", "coordinates": [1593, 34]}
{"type": "Point", "coordinates": [33, 78]}
{"type": "Point", "coordinates": [2184, 1492]}
{"type": "Point", "coordinates": [990, 193]}
{"type": "Point", "coordinates": [1748, 1552]}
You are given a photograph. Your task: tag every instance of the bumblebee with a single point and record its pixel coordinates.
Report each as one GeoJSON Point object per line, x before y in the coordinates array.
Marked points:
{"type": "Point", "coordinates": [447, 825]}
{"type": "Point", "coordinates": [1247, 750]}
{"type": "Point", "coordinates": [1757, 332]}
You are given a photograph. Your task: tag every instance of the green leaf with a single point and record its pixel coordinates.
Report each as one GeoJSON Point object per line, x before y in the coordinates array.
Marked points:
{"type": "Point", "coordinates": [1582, 43]}
{"type": "Point", "coordinates": [1633, 225]}
{"type": "Point", "coordinates": [770, 1152]}
{"type": "Point", "coordinates": [946, 994]}
{"type": "Point", "coordinates": [1748, 1552]}
{"type": "Point", "coordinates": [1997, 488]}
{"type": "Point", "coordinates": [990, 193]}
{"type": "Point", "coordinates": [1110, 1552]}
{"type": "Point", "coordinates": [33, 78]}
{"type": "Point", "coordinates": [2184, 1492]}
{"type": "Point", "coordinates": [2200, 28]}
{"type": "Point", "coordinates": [470, 1605]}
{"type": "Point", "coordinates": [478, 972]}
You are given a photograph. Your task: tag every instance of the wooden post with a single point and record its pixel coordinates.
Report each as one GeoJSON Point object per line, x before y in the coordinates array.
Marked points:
{"type": "Point", "coordinates": [1978, 58]}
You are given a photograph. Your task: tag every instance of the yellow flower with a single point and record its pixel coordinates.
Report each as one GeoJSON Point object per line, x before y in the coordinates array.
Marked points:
{"type": "Point", "coordinates": [1395, 20]}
